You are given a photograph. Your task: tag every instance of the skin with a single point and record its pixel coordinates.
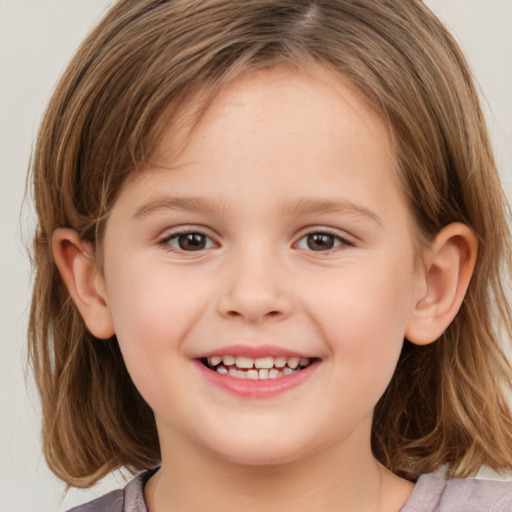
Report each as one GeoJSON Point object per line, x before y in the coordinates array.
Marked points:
{"type": "Point", "coordinates": [279, 155]}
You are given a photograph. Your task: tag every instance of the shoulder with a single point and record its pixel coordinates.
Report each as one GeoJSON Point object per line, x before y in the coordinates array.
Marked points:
{"type": "Point", "coordinates": [111, 502]}
{"type": "Point", "coordinates": [435, 494]}
{"type": "Point", "coordinates": [129, 499]}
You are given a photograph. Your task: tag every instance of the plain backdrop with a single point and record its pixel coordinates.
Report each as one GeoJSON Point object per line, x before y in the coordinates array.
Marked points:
{"type": "Point", "coordinates": [37, 39]}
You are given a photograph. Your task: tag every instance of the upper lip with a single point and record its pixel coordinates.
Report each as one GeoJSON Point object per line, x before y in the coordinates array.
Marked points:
{"type": "Point", "coordinates": [253, 351]}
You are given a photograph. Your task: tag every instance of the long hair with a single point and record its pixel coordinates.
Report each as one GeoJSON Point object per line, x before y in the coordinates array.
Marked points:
{"type": "Point", "coordinates": [142, 68]}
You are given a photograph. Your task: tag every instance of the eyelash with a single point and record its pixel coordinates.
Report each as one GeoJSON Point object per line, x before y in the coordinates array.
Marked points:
{"type": "Point", "coordinates": [337, 239]}
{"type": "Point", "coordinates": [175, 236]}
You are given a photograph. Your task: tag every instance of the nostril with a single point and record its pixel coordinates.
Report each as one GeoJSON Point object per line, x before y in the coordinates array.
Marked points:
{"type": "Point", "coordinates": [270, 314]}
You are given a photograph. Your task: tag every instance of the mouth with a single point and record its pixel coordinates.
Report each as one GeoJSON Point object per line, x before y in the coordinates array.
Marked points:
{"type": "Point", "coordinates": [260, 368]}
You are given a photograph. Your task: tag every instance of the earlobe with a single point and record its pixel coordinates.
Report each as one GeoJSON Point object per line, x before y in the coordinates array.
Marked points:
{"type": "Point", "coordinates": [80, 273]}
{"type": "Point", "coordinates": [449, 265]}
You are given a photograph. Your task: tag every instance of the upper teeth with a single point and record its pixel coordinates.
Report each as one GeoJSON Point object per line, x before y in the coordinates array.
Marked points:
{"type": "Point", "coordinates": [259, 362]}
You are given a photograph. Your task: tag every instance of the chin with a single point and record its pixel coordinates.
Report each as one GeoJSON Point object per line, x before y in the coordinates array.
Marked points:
{"type": "Point", "coordinates": [261, 451]}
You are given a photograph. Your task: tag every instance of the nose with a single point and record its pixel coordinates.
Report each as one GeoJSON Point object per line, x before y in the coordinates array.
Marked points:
{"type": "Point", "coordinates": [255, 290]}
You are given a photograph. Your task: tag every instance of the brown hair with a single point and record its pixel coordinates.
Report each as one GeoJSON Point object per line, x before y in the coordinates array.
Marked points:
{"type": "Point", "coordinates": [144, 63]}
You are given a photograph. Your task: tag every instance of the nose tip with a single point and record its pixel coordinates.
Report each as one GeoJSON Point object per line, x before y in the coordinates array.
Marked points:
{"type": "Point", "coordinates": [254, 295]}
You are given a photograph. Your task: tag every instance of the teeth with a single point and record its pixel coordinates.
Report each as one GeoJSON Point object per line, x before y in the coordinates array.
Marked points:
{"type": "Point", "coordinates": [228, 360]}
{"type": "Point", "coordinates": [263, 373]}
{"type": "Point", "coordinates": [260, 368]}
{"type": "Point", "coordinates": [264, 362]}
{"type": "Point", "coordinates": [279, 362]}
{"type": "Point", "coordinates": [293, 362]}
{"type": "Point", "coordinates": [252, 375]}
{"type": "Point", "coordinates": [215, 360]}
{"type": "Point", "coordinates": [243, 362]}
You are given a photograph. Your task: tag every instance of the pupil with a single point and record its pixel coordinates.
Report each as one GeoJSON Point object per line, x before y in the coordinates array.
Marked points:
{"type": "Point", "coordinates": [320, 241]}
{"type": "Point", "coordinates": [192, 241]}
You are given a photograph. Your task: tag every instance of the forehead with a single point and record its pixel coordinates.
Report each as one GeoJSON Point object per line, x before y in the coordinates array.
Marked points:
{"type": "Point", "coordinates": [307, 130]}
{"type": "Point", "coordinates": [272, 102]}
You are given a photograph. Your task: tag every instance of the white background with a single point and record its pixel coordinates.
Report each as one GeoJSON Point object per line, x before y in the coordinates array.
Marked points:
{"type": "Point", "coordinates": [37, 39]}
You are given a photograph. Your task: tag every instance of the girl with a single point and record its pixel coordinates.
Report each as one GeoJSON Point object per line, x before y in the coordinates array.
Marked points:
{"type": "Point", "coordinates": [269, 262]}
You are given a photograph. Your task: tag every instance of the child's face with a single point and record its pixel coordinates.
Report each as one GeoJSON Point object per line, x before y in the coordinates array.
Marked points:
{"type": "Point", "coordinates": [280, 230]}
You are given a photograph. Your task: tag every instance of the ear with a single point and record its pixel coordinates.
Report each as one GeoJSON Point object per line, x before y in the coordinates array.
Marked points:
{"type": "Point", "coordinates": [83, 279]}
{"type": "Point", "coordinates": [449, 264]}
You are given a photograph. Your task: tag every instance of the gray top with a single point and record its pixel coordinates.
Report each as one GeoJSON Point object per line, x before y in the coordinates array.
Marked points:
{"type": "Point", "coordinates": [431, 494]}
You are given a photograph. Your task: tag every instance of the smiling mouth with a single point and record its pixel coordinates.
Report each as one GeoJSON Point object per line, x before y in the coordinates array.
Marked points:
{"type": "Point", "coordinates": [261, 368]}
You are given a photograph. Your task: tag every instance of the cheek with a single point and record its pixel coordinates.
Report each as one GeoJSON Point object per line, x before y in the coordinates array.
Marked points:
{"type": "Point", "coordinates": [146, 298]}
{"type": "Point", "coordinates": [149, 327]}
{"type": "Point", "coordinates": [151, 311]}
{"type": "Point", "coordinates": [363, 315]}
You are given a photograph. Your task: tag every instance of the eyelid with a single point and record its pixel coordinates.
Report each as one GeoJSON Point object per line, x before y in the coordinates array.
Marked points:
{"type": "Point", "coordinates": [174, 233]}
{"type": "Point", "coordinates": [344, 239]}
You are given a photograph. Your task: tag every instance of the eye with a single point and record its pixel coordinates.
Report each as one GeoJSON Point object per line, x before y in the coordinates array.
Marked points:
{"type": "Point", "coordinates": [188, 241]}
{"type": "Point", "coordinates": [322, 241]}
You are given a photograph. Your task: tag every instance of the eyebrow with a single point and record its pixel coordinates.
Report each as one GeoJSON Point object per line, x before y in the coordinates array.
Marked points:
{"type": "Point", "coordinates": [306, 205]}
{"type": "Point", "coordinates": [185, 204]}
{"type": "Point", "coordinates": [300, 206]}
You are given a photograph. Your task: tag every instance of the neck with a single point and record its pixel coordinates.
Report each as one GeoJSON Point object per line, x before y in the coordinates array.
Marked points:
{"type": "Point", "coordinates": [342, 478]}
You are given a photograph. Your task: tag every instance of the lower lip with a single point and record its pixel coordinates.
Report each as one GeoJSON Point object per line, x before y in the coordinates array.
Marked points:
{"type": "Point", "coordinates": [264, 388]}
